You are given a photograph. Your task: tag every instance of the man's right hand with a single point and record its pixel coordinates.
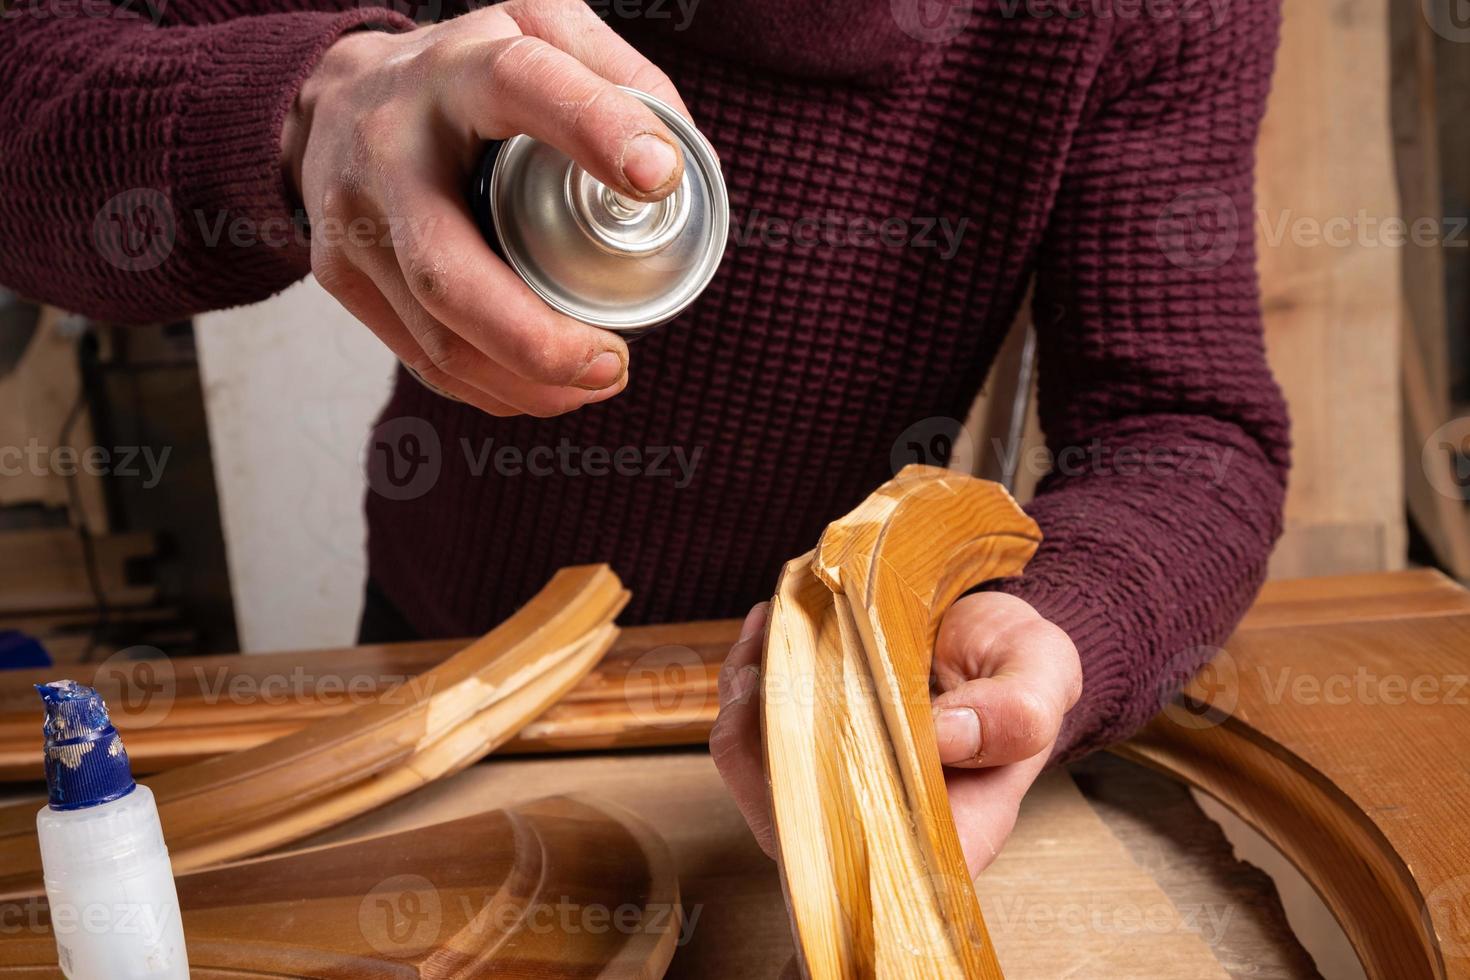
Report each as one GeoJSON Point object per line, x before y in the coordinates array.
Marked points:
{"type": "Point", "coordinates": [388, 129]}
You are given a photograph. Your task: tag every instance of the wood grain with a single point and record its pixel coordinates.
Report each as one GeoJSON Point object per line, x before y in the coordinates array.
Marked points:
{"type": "Point", "coordinates": [656, 686]}
{"type": "Point", "coordinates": [563, 887]}
{"type": "Point", "coordinates": [1331, 288]}
{"type": "Point", "coordinates": [1356, 598]}
{"type": "Point", "coordinates": [1345, 745]}
{"type": "Point", "coordinates": [237, 804]}
{"type": "Point", "coordinates": [858, 792]}
{"type": "Point", "coordinates": [1063, 900]}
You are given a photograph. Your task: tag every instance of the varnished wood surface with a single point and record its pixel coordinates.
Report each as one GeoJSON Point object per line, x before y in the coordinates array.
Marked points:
{"type": "Point", "coordinates": [872, 865]}
{"type": "Point", "coordinates": [550, 889]}
{"type": "Point", "coordinates": [1355, 598]}
{"type": "Point", "coordinates": [1406, 622]}
{"type": "Point", "coordinates": [246, 802]}
{"type": "Point", "coordinates": [1348, 746]}
{"type": "Point", "coordinates": [1065, 898]}
{"type": "Point", "coordinates": [654, 687]}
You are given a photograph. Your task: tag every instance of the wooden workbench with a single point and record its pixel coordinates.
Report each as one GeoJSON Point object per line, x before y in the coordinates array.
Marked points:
{"type": "Point", "coordinates": [1090, 885]}
{"type": "Point", "coordinates": [1113, 871]}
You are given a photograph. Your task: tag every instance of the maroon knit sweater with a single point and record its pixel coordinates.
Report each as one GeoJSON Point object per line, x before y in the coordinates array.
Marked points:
{"type": "Point", "coordinates": [1105, 153]}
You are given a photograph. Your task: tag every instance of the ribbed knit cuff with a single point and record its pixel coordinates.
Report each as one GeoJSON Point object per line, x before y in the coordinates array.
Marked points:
{"type": "Point", "coordinates": [1106, 684]}
{"type": "Point", "coordinates": [237, 216]}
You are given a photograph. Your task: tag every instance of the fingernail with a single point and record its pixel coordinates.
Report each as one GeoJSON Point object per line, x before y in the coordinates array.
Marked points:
{"type": "Point", "coordinates": [601, 372]}
{"type": "Point", "coordinates": [958, 731]}
{"type": "Point", "coordinates": [746, 678]}
{"type": "Point", "coordinates": [611, 391]}
{"type": "Point", "coordinates": [648, 162]}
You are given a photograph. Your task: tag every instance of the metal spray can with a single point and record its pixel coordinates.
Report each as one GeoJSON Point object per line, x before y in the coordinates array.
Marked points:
{"type": "Point", "coordinates": [592, 253]}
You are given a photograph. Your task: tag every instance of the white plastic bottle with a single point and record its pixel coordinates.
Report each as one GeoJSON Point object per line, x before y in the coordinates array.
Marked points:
{"type": "Point", "coordinates": [114, 907]}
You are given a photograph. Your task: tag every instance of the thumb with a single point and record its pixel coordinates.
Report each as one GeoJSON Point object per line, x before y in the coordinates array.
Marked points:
{"type": "Point", "coordinates": [1010, 676]}
{"type": "Point", "coordinates": [992, 721]}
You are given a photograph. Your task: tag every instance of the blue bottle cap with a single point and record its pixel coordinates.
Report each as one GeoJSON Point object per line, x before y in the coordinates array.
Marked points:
{"type": "Point", "coordinates": [86, 763]}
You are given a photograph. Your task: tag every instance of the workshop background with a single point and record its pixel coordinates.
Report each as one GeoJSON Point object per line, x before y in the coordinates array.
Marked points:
{"type": "Point", "coordinates": [196, 487]}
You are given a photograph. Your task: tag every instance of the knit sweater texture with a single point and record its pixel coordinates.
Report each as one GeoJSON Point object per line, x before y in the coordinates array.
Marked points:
{"type": "Point", "coordinates": [899, 178]}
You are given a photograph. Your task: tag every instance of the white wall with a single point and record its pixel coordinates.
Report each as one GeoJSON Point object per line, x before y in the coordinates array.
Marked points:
{"type": "Point", "coordinates": [291, 386]}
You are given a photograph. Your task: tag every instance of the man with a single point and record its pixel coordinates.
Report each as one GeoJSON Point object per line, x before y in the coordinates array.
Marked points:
{"type": "Point", "coordinates": [1102, 152]}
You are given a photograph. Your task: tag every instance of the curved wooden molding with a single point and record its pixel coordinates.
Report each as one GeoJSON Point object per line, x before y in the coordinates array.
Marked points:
{"type": "Point", "coordinates": [871, 864]}
{"type": "Point", "coordinates": [655, 687]}
{"type": "Point", "coordinates": [235, 805]}
{"type": "Point", "coordinates": [1324, 834]}
{"type": "Point", "coordinates": [1344, 741]}
{"type": "Point", "coordinates": [564, 887]}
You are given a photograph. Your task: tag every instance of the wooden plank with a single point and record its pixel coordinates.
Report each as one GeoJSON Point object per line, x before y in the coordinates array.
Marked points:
{"type": "Point", "coordinates": [1356, 598]}
{"type": "Point", "coordinates": [737, 921]}
{"type": "Point", "coordinates": [1063, 867]}
{"type": "Point", "coordinates": [656, 686]}
{"type": "Point", "coordinates": [335, 768]}
{"type": "Point", "coordinates": [1345, 745]}
{"type": "Point", "coordinates": [1332, 309]}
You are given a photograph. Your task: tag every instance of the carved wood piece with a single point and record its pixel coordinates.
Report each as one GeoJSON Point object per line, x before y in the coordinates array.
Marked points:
{"type": "Point", "coordinates": [1344, 745]}
{"type": "Point", "coordinates": [656, 686]}
{"type": "Point", "coordinates": [871, 863]}
{"type": "Point", "coordinates": [235, 805]}
{"type": "Point", "coordinates": [563, 887]}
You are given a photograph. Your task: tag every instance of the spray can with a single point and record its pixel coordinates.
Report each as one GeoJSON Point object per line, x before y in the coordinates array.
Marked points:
{"type": "Point", "coordinates": [109, 884]}
{"type": "Point", "coordinates": [592, 253]}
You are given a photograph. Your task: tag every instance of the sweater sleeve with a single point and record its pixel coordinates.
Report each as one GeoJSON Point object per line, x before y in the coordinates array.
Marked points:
{"type": "Point", "coordinates": [1167, 433]}
{"type": "Point", "coordinates": [140, 174]}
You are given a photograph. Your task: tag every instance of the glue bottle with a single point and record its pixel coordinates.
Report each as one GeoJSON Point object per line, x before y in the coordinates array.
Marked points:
{"type": "Point", "coordinates": [114, 908]}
